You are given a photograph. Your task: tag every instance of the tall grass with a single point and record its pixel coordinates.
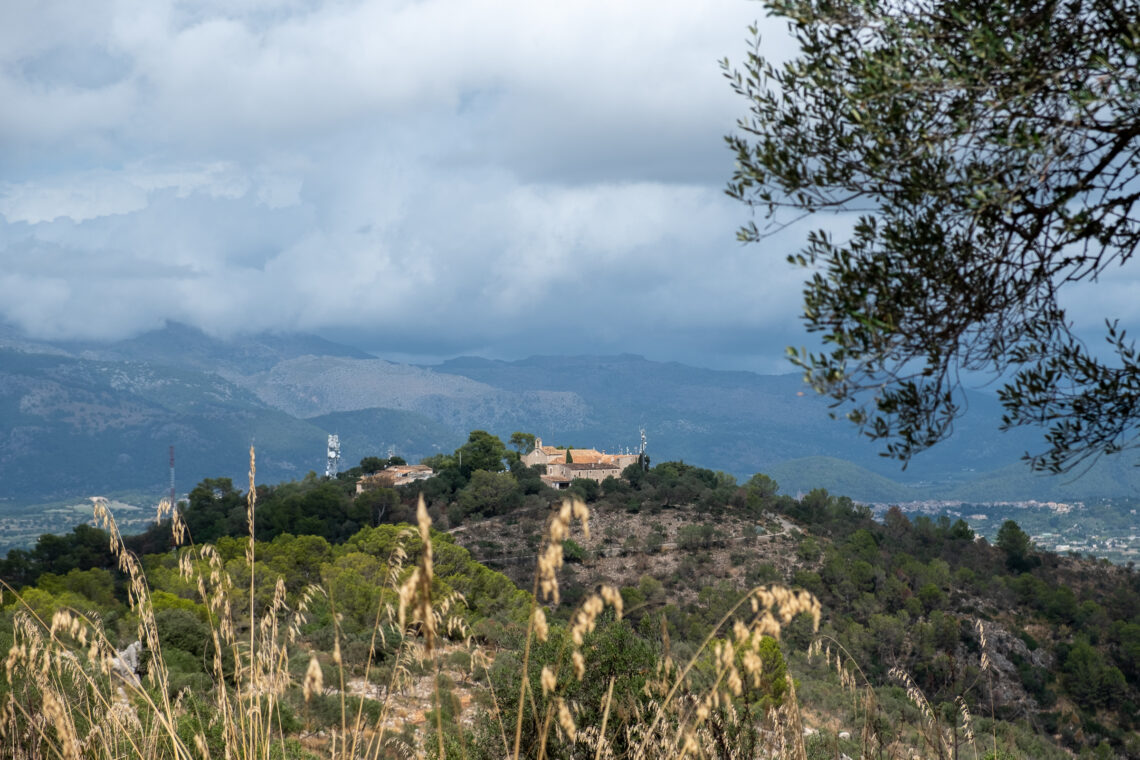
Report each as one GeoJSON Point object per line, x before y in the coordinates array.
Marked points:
{"type": "Point", "coordinates": [69, 697]}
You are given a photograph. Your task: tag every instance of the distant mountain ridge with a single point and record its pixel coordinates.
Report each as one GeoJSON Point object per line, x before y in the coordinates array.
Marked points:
{"type": "Point", "coordinates": [80, 418]}
{"type": "Point", "coordinates": [77, 427]}
{"type": "Point", "coordinates": [179, 345]}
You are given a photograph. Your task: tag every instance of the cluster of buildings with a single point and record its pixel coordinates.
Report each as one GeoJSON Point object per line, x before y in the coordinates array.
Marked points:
{"type": "Point", "coordinates": [563, 465]}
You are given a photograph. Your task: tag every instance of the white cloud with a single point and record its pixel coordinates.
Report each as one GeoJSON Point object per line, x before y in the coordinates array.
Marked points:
{"type": "Point", "coordinates": [446, 170]}
{"type": "Point", "coordinates": [89, 195]}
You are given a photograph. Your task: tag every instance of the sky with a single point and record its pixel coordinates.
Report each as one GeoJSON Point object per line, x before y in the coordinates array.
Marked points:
{"type": "Point", "coordinates": [420, 179]}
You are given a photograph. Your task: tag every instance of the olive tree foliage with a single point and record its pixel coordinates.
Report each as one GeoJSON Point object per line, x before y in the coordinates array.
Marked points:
{"type": "Point", "coordinates": [988, 154]}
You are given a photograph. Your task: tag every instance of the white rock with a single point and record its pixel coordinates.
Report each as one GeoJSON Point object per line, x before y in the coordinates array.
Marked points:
{"type": "Point", "coordinates": [126, 663]}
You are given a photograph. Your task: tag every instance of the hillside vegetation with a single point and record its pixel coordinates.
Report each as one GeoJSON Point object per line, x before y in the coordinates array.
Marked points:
{"type": "Point", "coordinates": [927, 640]}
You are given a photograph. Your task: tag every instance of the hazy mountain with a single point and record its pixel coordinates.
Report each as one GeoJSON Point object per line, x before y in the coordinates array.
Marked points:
{"type": "Point", "coordinates": [179, 345]}
{"type": "Point", "coordinates": [839, 477]}
{"type": "Point", "coordinates": [384, 432]}
{"type": "Point", "coordinates": [1108, 477]}
{"type": "Point", "coordinates": [74, 427]}
{"type": "Point", "coordinates": [311, 386]}
{"type": "Point", "coordinates": [80, 418]}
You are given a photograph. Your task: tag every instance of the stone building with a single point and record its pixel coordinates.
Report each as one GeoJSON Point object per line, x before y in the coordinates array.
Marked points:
{"type": "Point", "coordinates": [396, 475]}
{"type": "Point", "coordinates": [550, 455]}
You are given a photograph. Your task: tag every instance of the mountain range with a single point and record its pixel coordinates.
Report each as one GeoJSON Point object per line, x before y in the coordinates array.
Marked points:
{"type": "Point", "coordinates": [78, 418]}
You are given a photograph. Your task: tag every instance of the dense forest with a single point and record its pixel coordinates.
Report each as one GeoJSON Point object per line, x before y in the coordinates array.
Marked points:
{"type": "Point", "coordinates": [929, 637]}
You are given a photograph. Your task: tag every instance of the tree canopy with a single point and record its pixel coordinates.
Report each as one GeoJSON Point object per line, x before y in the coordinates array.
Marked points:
{"type": "Point", "coordinates": [988, 154]}
{"type": "Point", "coordinates": [522, 442]}
{"type": "Point", "coordinates": [482, 451]}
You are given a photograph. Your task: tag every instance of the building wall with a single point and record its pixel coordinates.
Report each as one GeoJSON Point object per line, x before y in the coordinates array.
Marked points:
{"type": "Point", "coordinates": [590, 472]}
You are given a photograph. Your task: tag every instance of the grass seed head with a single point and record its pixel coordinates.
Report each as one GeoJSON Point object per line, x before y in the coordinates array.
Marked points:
{"type": "Point", "coordinates": [541, 629]}
{"type": "Point", "coordinates": [549, 681]}
{"type": "Point", "coordinates": [612, 597]}
{"type": "Point", "coordinates": [579, 663]}
{"type": "Point", "coordinates": [967, 719]}
{"type": "Point", "coordinates": [415, 592]}
{"type": "Point", "coordinates": [566, 720]}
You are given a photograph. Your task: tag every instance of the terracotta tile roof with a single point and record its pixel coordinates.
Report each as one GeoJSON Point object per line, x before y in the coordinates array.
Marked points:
{"type": "Point", "coordinates": [555, 455]}
{"type": "Point", "coordinates": [584, 456]}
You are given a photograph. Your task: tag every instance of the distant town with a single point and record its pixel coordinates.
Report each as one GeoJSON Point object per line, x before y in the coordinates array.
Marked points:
{"type": "Point", "coordinates": [1107, 529]}
{"type": "Point", "coordinates": [21, 528]}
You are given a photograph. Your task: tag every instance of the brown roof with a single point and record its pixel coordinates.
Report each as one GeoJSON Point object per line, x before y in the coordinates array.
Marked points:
{"type": "Point", "coordinates": [582, 456]}
{"type": "Point", "coordinates": [578, 455]}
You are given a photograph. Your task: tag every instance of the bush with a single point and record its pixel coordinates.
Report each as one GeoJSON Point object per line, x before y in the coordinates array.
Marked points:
{"type": "Point", "coordinates": [702, 536]}
{"type": "Point", "coordinates": [572, 551]}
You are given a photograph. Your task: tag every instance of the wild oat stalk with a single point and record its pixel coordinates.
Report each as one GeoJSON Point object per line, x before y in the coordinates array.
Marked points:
{"type": "Point", "coordinates": [546, 582]}
{"type": "Point", "coordinates": [986, 668]}
{"type": "Point", "coordinates": [847, 668]}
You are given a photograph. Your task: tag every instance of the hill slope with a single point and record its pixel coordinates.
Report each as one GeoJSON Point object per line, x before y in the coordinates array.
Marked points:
{"type": "Point", "coordinates": [838, 476]}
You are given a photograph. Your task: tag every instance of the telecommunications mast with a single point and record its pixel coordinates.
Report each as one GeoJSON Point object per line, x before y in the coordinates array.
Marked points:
{"type": "Point", "coordinates": [332, 467]}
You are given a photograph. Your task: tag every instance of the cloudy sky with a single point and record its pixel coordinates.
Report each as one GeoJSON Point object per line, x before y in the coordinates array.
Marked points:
{"type": "Point", "coordinates": [422, 179]}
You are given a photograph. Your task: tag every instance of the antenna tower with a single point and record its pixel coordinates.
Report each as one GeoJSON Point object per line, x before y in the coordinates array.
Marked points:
{"type": "Point", "coordinates": [641, 452]}
{"type": "Point", "coordinates": [332, 467]}
{"type": "Point", "coordinates": [172, 501]}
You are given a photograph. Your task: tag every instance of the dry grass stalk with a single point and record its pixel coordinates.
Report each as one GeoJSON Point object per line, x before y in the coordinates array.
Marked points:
{"type": "Point", "coordinates": [683, 721]}
{"type": "Point", "coordinates": [849, 673]}
{"type": "Point", "coordinates": [120, 717]}
{"type": "Point", "coordinates": [987, 669]}
{"type": "Point", "coordinates": [931, 730]}
{"type": "Point", "coordinates": [415, 592]}
{"type": "Point", "coordinates": [546, 583]}
{"type": "Point", "coordinates": [795, 723]}
{"type": "Point", "coordinates": [967, 723]}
